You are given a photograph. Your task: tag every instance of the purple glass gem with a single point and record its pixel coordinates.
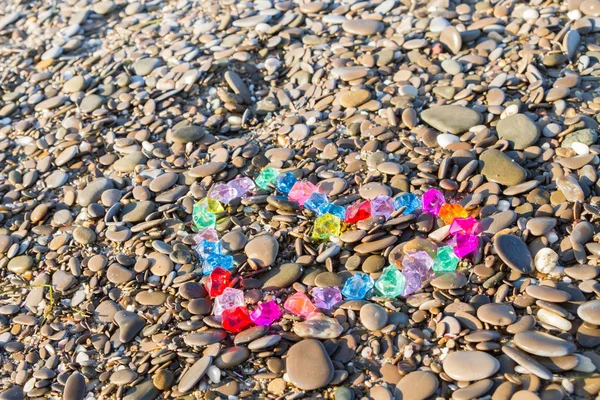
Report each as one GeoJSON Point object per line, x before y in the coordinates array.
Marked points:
{"type": "Point", "coordinates": [465, 244]}
{"type": "Point", "coordinates": [207, 234]}
{"type": "Point", "coordinates": [230, 298]}
{"type": "Point", "coordinates": [433, 199]}
{"type": "Point", "coordinates": [418, 261]}
{"type": "Point", "coordinates": [266, 313]}
{"type": "Point", "coordinates": [412, 282]}
{"type": "Point", "coordinates": [223, 193]}
{"type": "Point", "coordinates": [326, 297]}
{"type": "Point", "coordinates": [382, 205]}
{"type": "Point", "coordinates": [464, 225]}
{"type": "Point", "coordinates": [242, 185]}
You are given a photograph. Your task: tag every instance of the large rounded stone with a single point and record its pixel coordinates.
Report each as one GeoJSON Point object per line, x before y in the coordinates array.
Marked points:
{"type": "Point", "coordinates": [262, 250]}
{"type": "Point", "coordinates": [500, 168]}
{"type": "Point", "coordinates": [451, 119]}
{"type": "Point", "coordinates": [470, 365]}
{"type": "Point", "coordinates": [308, 365]}
{"type": "Point", "coordinates": [520, 131]}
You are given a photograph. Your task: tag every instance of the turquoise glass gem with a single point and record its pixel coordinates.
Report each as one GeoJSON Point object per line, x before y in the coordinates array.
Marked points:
{"type": "Point", "coordinates": [217, 260]}
{"type": "Point", "coordinates": [408, 200]}
{"type": "Point", "coordinates": [266, 178]}
{"type": "Point", "coordinates": [391, 282]}
{"type": "Point", "coordinates": [205, 248]}
{"type": "Point", "coordinates": [285, 182]}
{"type": "Point", "coordinates": [317, 203]}
{"type": "Point", "coordinates": [203, 218]}
{"type": "Point", "coordinates": [357, 286]}
{"type": "Point", "coordinates": [336, 210]}
{"type": "Point", "coordinates": [445, 260]}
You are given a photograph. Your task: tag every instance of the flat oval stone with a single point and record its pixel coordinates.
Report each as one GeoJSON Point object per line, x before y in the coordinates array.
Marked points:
{"type": "Point", "coordinates": [232, 357]}
{"type": "Point", "coordinates": [514, 253]}
{"type": "Point", "coordinates": [451, 118]}
{"type": "Point", "coordinates": [497, 314]}
{"type": "Point", "coordinates": [308, 365]}
{"type": "Point", "coordinates": [547, 293]}
{"type": "Point", "coordinates": [193, 375]}
{"type": "Point", "coordinates": [373, 316]}
{"type": "Point", "coordinates": [541, 225]}
{"type": "Point", "coordinates": [129, 323]}
{"type": "Point", "coordinates": [543, 344]}
{"type": "Point", "coordinates": [205, 338]}
{"type": "Point", "coordinates": [362, 27]}
{"type": "Point", "coordinates": [281, 276]}
{"type": "Point", "coordinates": [75, 387]}
{"type": "Point", "coordinates": [474, 390]}
{"type": "Point", "coordinates": [497, 167]}
{"type": "Point", "coordinates": [262, 250]}
{"type": "Point", "coordinates": [590, 312]}
{"type": "Point", "coordinates": [519, 130]}
{"type": "Point", "coordinates": [527, 361]}
{"type": "Point", "coordinates": [417, 385]}
{"type": "Point", "coordinates": [470, 365]}
{"type": "Point", "coordinates": [450, 280]}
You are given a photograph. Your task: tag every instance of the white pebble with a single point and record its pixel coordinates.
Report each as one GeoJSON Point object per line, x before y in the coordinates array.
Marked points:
{"type": "Point", "coordinates": [214, 374]}
{"type": "Point", "coordinates": [438, 24]}
{"type": "Point", "coordinates": [446, 139]}
{"type": "Point", "coordinates": [551, 130]}
{"type": "Point", "coordinates": [552, 236]}
{"type": "Point", "coordinates": [530, 14]}
{"type": "Point", "coordinates": [585, 364]}
{"type": "Point", "coordinates": [574, 15]}
{"type": "Point", "coordinates": [272, 65]}
{"type": "Point", "coordinates": [503, 205]}
{"type": "Point", "coordinates": [580, 148]}
{"type": "Point", "coordinates": [408, 90]}
{"type": "Point", "coordinates": [546, 260]}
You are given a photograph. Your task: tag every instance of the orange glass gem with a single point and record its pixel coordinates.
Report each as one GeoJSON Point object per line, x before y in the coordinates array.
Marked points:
{"type": "Point", "coordinates": [450, 211]}
{"type": "Point", "coordinates": [299, 304]}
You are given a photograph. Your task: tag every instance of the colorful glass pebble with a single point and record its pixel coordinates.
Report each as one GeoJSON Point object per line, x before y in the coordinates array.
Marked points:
{"type": "Point", "coordinates": [433, 200]}
{"type": "Point", "coordinates": [301, 191]}
{"type": "Point", "coordinates": [215, 260]}
{"type": "Point", "coordinates": [242, 185]}
{"type": "Point", "coordinates": [203, 218]}
{"type": "Point", "coordinates": [448, 212]}
{"type": "Point", "coordinates": [265, 314]}
{"type": "Point", "coordinates": [317, 203]}
{"type": "Point", "coordinates": [299, 304]}
{"type": "Point", "coordinates": [336, 210]}
{"type": "Point", "coordinates": [223, 193]}
{"type": "Point", "coordinates": [408, 200]}
{"type": "Point", "coordinates": [419, 261]}
{"type": "Point", "coordinates": [235, 319]}
{"type": "Point", "coordinates": [266, 178]}
{"type": "Point", "coordinates": [391, 282]}
{"type": "Point", "coordinates": [230, 298]}
{"type": "Point", "coordinates": [211, 205]}
{"type": "Point", "coordinates": [325, 226]}
{"type": "Point", "coordinates": [358, 212]}
{"type": "Point", "coordinates": [382, 205]}
{"type": "Point", "coordinates": [217, 281]}
{"type": "Point", "coordinates": [206, 248]}
{"type": "Point", "coordinates": [445, 260]}
{"type": "Point", "coordinates": [357, 286]}
{"type": "Point", "coordinates": [285, 182]}
{"type": "Point", "coordinates": [465, 244]}
{"type": "Point", "coordinates": [412, 282]}
{"type": "Point", "coordinates": [326, 297]}
{"type": "Point", "coordinates": [464, 225]}
{"type": "Point", "coordinates": [209, 234]}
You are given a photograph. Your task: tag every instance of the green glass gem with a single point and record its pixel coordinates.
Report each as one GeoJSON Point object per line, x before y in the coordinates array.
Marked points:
{"type": "Point", "coordinates": [445, 260]}
{"type": "Point", "coordinates": [266, 178]}
{"type": "Point", "coordinates": [326, 225]}
{"type": "Point", "coordinates": [211, 205]}
{"type": "Point", "coordinates": [202, 217]}
{"type": "Point", "coordinates": [391, 282]}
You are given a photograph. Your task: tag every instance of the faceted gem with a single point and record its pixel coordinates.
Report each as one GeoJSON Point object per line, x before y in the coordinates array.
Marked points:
{"type": "Point", "coordinates": [266, 313]}
{"type": "Point", "coordinates": [326, 297]}
{"type": "Point", "coordinates": [445, 260]}
{"type": "Point", "coordinates": [408, 200]}
{"type": "Point", "coordinates": [203, 218]}
{"type": "Point", "coordinates": [223, 193]}
{"type": "Point", "coordinates": [217, 281]}
{"type": "Point", "coordinates": [382, 205]}
{"type": "Point", "coordinates": [357, 286]}
{"type": "Point", "coordinates": [418, 261]}
{"type": "Point", "coordinates": [301, 191]}
{"type": "Point", "coordinates": [413, 282]}
{"type": "Point", "coordinates": [336, 210]}
{"type": "Point", "coordinates": [464, 225]}
{"type": "Point", "coordinates": [391, 282]}
{"type": "Point", "coordinates": [285, 182]}
{"type": "Point", "coordinates": [206, 248]}
{"type": "Point", "coordinates": [215, 260]}
{"type": "Point", "coordinates": [209, 234]}
{"type": "Point", "coordinates": [358, 212]}
{"type": "Point", "coordinates": [266, 178]}
{"type": "Point", "coordinates": [448, 212]}
{"type": "Point", "coordinates": [326, 225]}
{"type": "Point", "coordinates": [465, 244]}
{"type": "Point", "coordinates": [317, 203]}
{"type": "Point", "coordinates": [230, 298]}
{"type": "Point", "coordinates": [242, 185]}
{"type": "Point", "coordinates": [235, 319]}
{"type": "Point", "coordinates": [432, 201]}
{"type": "Point", "coordinates": [299, 304]}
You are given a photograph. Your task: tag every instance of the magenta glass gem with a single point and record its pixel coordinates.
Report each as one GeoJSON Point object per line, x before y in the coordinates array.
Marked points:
{"type": "Point", "coordinates": [326, 297]}
{"type": "Point", "coordinates": [433, 199]}
{"type": "Point", "coordinates": [301, 191]}
{"type": "Point", "coordinates": [465, 244]}
{"type": "Point", "coordinates": [266, 313]}
{"type": "Point", "coordinates": [382, 205]}
{"type": "Point", "coordinates": [242, 185]}
{"type": "Point", "coordinates": [464, 225]}
{"type": "Point", "coordinates": [208, 234]}
{"type": "Point", "coordinates": [223, 193]}
{"type": "Point", "coordinates": [230, 298]}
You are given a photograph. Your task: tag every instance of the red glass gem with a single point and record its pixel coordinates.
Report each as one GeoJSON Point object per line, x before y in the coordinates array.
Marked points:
{"type": "Point", "coordinates": [217, 281]}
{"type": "Point", "coordinates": [357, 212]}
{"type": "Point", "coordinates": [236, 319]}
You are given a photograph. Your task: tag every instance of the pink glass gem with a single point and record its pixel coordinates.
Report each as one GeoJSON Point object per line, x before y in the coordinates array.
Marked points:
{"type": "Point", "coordinates": [464, 225]}
{"type": "Point", "coordinates": [230, 298]}
{"type": "Point", "coordinates": [358, 212]}
{"type": "Point", "coordinates": [382, 205]}
{"type": "Point", "coordinates": [299, 304]}
{"type": "Point", "coordinates": [465, 244]}
{"type": "Point", "coordinates": [207, 234]}
{"type": "Point", "coordinates": [326, 297]}
{"type": "Point", "coordinates": [433, 199]}
{"type": "Point", "coordinates": [235, 319]}
{"type": "Point", "coordinates": [301, 191]}
{"type": "Point", "coordinates": [242, 185]}
{"type": "Point", "coordinates": [223, 193]}
{"type": "Point", "coordinates": [266, 313]}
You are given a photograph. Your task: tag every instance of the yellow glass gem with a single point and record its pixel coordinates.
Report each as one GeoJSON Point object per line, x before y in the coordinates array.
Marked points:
{"type": "Point", "coordinates": [211, 205]}
{"type": "Point", "coordinates": [326, 225]}
{"type": "Point", "coordinates": [448, 212]}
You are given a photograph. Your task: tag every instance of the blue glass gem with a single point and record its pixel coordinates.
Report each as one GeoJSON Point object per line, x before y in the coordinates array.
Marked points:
{"type": "Point", "coordinates": [205, 248]}
{"type": "Point", "coordinates": [217, 260]}
{"type": "Point", "coordinates": [285, 182]}
{"type": "Point", "coordinates": [317, 203]}
{"type": "Point", "coordinates": [336, 210]}
{"type": "Point", "coordinates": [358, 286]}
{"type": "Point", "coordinates": [408, 200]}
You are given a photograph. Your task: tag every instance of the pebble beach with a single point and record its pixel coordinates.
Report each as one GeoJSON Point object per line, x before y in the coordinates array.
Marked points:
{"type": "Point", "coordinates": [286, 199]}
